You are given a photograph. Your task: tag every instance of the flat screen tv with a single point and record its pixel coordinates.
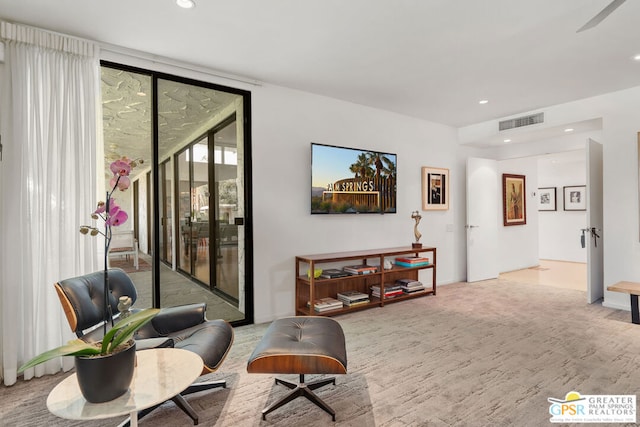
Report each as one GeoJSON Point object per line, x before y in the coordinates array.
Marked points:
{"type": "Point", "coordinates": [352, 181]}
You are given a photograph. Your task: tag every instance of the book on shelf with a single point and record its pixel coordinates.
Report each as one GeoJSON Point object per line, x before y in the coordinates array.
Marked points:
{"type": "Point", "coordinates": [412, 259]}
{"type": "Point", "coordinates": [332, 273]}
{"type": "Point", "coordinates": [349, 297]}
{"type": "Point", "coordinates": [412, 264]}
{"type": "Point", "coordinates": [408, 282]}
{"type": "Point", "coordinates": [414, 291]}
{"type": "Point", "coordinates": [360, 269]}
{"type": "Point", "coordinates": [357, 303]}
{"type": "Point", "coordinates": [389, 294]}
{"type": "Point", "coordinates": [325, 304]}
{"type": "Point", "coordinates": [388, 287]}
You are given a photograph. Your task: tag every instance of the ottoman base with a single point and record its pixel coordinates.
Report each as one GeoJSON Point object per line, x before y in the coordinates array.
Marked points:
{"type": "Point", "coordinates": [302, 389]}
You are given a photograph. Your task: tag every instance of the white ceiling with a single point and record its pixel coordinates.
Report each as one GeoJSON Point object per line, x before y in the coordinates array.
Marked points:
{"type": "Point", "coordinates": [432, 59]}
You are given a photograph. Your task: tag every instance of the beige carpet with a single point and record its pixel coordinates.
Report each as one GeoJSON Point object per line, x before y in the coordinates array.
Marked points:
{"type": "Point", "coordinates": [483, 354]}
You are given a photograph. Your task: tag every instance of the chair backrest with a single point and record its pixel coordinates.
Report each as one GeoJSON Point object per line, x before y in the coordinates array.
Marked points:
{"type": "Point", "coordinates": [122, 240]}
{"type": "Point", "coordinates": [82, 297]}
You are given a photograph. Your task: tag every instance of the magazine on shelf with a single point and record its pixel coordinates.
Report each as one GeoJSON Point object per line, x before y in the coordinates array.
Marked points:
{"type": "Point", "coordinates": [360, 269]}
{"type": "Point", "coordinates": [408, 282]}
{"type": "Point", "coordinates": [324, 304]}
{"type": "Point", "coordinates": [414, 291]}
{"type": "Point", "coordinates": [387, 287]}
{"type": "Point", "coordinates": [389, 294]}
{"type": "Point", "coordinates": [349, 297]}
{"type": "Point", "coordinates": [414, 264]}
{"type": "Point", "coordinates": [332, 273]}
{"type": "Point", "coordinates": [412, 259]}
{"type": "Point", "coordinates": [357, 303]}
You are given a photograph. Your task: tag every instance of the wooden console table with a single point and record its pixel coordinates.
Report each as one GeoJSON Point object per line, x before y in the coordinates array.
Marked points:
{"type": "Point", "coordinates": [310, 288]}
{"type": "Point", "coordinates": [633, 289]}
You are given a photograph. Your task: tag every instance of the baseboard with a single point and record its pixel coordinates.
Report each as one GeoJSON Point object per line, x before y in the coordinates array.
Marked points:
{"type": "Point", "coordinates": [625, 307]}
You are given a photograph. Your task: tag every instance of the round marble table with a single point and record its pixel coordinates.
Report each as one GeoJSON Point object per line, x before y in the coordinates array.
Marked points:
{"type": "Point", "coordinates": [160, 374]}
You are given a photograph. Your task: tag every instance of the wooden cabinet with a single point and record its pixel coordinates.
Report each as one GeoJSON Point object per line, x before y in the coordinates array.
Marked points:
{"type": "Point", "coordinates": [310, 288]}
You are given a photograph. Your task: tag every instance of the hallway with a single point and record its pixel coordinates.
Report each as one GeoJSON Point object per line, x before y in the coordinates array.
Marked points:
{"type": "Point", "coordinates": [559, 274]}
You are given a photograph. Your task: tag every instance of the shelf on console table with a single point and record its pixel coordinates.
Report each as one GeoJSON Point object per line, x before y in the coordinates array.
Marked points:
{"type": "Point", "coordinates": [312, 289]}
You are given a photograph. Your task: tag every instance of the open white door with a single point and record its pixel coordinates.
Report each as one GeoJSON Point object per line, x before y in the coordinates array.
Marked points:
{"type": "Point", "coordinates": [483, 212]}
{"type": "Point", "coordinates": [594, 241]}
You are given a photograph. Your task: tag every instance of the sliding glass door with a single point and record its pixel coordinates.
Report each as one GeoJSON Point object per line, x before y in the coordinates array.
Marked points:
{"type": "Point", "coordinates": [192, 170]}
{"type": "Point", "coordinates": [197, 180]}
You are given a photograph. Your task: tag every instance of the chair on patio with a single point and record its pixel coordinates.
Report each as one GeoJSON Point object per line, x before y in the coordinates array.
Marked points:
{"type": "Point", "coordinates": [182, 326]}
{"type": "Point", "coordinates": [124, 243]}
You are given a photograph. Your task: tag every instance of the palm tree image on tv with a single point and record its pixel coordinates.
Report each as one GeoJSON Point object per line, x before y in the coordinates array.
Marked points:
{"type": "Point", "coordinates": [346, 180]}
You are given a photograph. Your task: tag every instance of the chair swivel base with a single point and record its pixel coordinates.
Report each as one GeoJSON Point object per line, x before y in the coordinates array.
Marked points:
{"type": "Point", "coordinates": [181, 403]}
{"type": "Point", "coordinates": [302, 389]}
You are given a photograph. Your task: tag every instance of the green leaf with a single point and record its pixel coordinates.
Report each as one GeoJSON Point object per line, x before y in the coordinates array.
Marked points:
{"type": "Point", "coordinates": [124, 329]}
{"type": "Point", "coordinates": [75, 347]}
{"type": "Point", "coordinates": [121, 332]}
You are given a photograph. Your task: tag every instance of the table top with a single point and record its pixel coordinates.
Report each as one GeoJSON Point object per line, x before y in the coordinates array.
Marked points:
{"type": "Point", "coordinates": [160, 374]}
{"type": "Point", "coordinates": [628, 287]}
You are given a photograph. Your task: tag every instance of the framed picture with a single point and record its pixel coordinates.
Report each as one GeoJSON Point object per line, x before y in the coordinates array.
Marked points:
{"type": "Point", "coordinates": [435, 189]}
{"type": "Point", "coordinates": [547, 198]}
{"type": "Point", "coordinates": [575, 198]}
{"type": "Point", "coordinates": [514, 209]}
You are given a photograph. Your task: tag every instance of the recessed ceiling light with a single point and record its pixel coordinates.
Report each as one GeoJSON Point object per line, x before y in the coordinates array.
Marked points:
{"type": "Point", "coordinates": [636, 57]}
{"type": "Point", "coordinates": [186, 4]}
{"type": "Point", "coordinates": [568, 130]}
{"type": "Point", "coordinates": [507, 140]}
{"type": "Point", "coordinates": [141, 93]}
{"type": "Point", "coordinates": [483, 101]}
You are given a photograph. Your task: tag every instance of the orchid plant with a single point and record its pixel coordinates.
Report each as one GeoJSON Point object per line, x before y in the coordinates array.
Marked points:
{"type": "Point", "coordinates": [123, 331]}
{"type": "Point", "coordinates": [112, 215]}
{"type": "Point", "coordinates": [109, 211]}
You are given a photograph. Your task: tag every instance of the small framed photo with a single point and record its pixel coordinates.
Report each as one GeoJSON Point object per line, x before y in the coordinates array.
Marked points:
{"type": "Point", "coordinates": [435, 189]}
{"type": "Point", "coordinates": [514, 209]}
{"type": "Point", "coordinates": [547, 199]}
{"type": "Point", "coordinates": [575, 198]}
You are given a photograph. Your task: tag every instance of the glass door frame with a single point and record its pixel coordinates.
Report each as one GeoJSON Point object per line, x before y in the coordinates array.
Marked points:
{"type": "Point", "coordinates": [247, 221]}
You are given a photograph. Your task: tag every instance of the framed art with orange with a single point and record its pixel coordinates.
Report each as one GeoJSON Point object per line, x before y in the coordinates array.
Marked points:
{"type": "Point", "coordinates": [514, 209]}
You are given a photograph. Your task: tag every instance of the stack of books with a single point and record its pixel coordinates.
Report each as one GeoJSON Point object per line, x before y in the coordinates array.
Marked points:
{"type": "Point", "coordinates": [390, 290]}
{"type": "Point", "coordinates": [360, 269]}
{"type": "Point", "coordinates": [326, 304]}
{"type": "Point", "coordinates": [353, 298]}
{"type": "Point", "coordinates": [412, 261]}
{"type": "Point", "coordinates": [410, 286]}
{"type": "Point", "coordinates": [332, 273]}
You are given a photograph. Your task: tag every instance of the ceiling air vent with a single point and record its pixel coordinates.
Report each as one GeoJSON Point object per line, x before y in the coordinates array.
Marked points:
{"type": "Point", "coordinates": [521, 121]}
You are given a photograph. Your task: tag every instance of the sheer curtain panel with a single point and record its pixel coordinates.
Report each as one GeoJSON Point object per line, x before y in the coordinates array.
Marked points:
{"type": "Point", "coordinates": [50, 127]}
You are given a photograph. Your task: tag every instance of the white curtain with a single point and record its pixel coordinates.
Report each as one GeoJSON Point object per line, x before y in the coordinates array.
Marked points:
{"type": "Point", "coordinates": [50, 96]}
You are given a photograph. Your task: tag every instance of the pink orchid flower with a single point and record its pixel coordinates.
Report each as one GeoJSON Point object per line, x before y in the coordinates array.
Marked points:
{"type": "Point", "coordinates": [118, 217]}
{"type": "Point", "coordinates": [123, 182]}
{"type": "Point", "coordinates": [120, 168]}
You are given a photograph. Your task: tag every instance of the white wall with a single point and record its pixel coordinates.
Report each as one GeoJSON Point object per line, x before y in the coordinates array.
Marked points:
{"type": "Point", "coordinates": [518, 244]}
{"type": "Point", "coordinates": [559, 230]}
{"type": "Point", "coordinates": [284, 123]}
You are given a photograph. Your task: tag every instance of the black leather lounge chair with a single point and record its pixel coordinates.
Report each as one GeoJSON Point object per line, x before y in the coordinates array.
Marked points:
{"type": "Point", "coordinates": [180, 327]}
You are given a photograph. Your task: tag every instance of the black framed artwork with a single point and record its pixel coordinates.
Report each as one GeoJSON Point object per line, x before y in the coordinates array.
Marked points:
{"type": "Point", "coordinates": [575, 198]}
{"type": "Point", "coordinates": [547, 199]}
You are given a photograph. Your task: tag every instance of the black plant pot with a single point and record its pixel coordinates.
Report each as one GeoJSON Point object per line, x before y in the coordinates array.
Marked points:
{"type": "Point", "coordinates": [103, 378]}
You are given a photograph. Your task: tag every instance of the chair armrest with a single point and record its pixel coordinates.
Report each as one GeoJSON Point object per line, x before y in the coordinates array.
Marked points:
{"type": "Point", "coordinates": [172, 319]}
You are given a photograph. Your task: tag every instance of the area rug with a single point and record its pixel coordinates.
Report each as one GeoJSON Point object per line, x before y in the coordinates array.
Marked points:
{"type": "Point", "coordinates": [127, 265]}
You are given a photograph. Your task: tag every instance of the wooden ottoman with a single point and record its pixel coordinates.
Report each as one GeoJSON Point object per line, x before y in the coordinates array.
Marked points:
{"type": "Point", "coordinates": [301, 345]}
